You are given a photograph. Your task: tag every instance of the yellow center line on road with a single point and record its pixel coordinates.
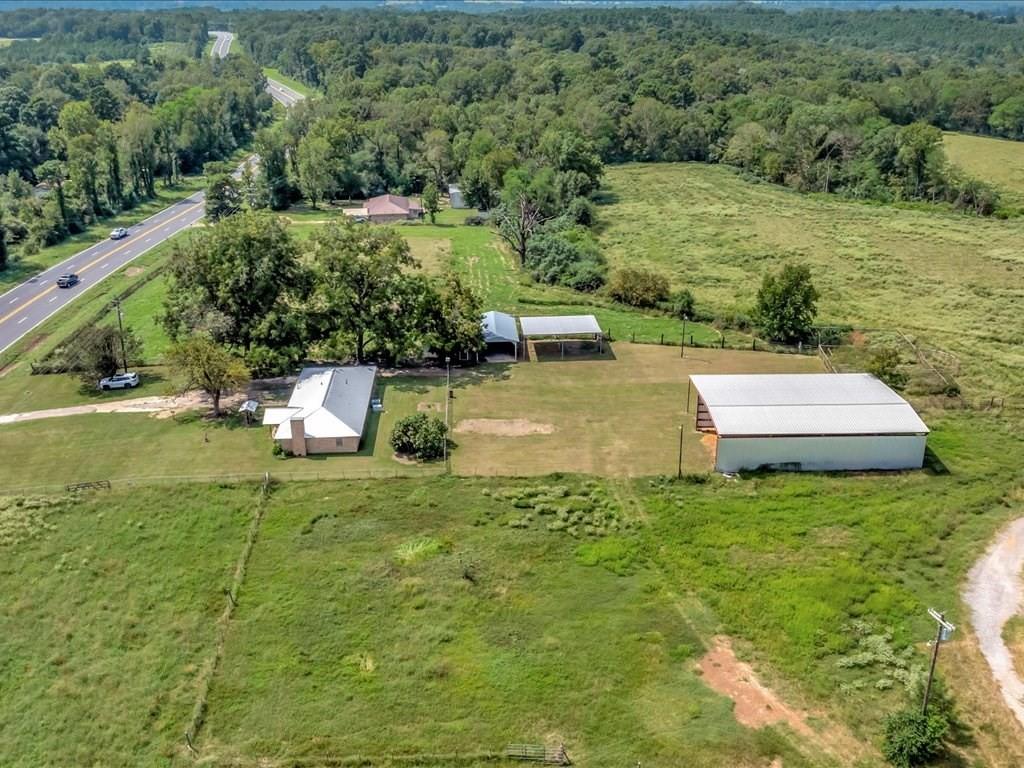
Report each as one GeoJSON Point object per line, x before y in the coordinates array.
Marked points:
{"type": "Point", "coordinates": [92, 263]}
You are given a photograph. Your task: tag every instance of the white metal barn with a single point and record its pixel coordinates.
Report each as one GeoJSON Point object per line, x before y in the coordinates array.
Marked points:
{"type": "Point", "coordinates": [809, 422]}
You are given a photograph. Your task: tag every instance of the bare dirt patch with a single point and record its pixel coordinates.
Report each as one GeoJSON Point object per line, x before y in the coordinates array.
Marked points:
{"type": "Point", "coordinates": [757, 706]}
{"type": "Point", "coordinates": [428, 407]}
{"type": "Point", "coordinates": [503, 427]}
{"type": "Point", "coordinates": [134, 271]}
{"type": "Point", "coordinates": [160, 407]}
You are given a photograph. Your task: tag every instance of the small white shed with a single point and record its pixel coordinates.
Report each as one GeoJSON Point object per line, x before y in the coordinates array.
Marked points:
{"type": "Point", "coordinates": [808, 422]}
{"type": "Point", "coordinates": [455, 198]}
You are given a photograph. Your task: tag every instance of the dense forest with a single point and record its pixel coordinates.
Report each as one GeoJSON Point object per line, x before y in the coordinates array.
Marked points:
{"type": "Point", "coordinates": [81, 142]}
{"type": "Point", "coordinates": [643, 84]}
{"type": "Point", "coordinates": [69, 35]}
{"type": "Point", "coordinates": [522, 108]}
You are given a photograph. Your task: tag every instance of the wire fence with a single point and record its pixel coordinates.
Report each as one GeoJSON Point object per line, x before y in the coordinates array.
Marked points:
{"type": "Point", "coordinates": [227, 478]}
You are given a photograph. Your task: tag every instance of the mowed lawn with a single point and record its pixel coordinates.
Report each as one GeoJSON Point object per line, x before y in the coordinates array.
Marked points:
{"type": "Point", "coordinates": [108, 612]}
{"type": "Point", "coordinates": [999, 162]}
{"type": "Point", "coordinates": [117, 446]}
{"type": "Point", "coordinates": [954, 279]}
{"type": "Point", "coordinates": [400, 618]}
{"type": "Point", "coordinates": [616, 415]}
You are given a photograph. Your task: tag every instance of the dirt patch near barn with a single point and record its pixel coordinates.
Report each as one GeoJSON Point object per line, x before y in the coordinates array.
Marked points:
{"type": "Point", "coordinates": [503, 427]}
{"type": "Point", "coordinates": [757, 706]}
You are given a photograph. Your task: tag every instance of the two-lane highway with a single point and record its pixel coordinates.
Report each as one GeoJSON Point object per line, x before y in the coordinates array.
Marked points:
{"type": "Point", "coordinates": [29, 304]}
{"type": "Point", "coordinates": [26, 306]}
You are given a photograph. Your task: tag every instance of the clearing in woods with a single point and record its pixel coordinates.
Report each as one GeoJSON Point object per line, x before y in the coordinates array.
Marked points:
{"type": "Point", "coordinates": [1000, 162]}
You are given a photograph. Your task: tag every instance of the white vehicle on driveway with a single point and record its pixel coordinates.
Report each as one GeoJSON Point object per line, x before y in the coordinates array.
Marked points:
{"type": "Point", "coordinates": [120, 381]}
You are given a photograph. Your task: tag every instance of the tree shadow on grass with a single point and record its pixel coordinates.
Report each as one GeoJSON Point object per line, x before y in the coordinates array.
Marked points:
{"type": "Point", "coordinates": [88, 389]}
{"type": "Point", "coordinates": [605, 196]}
{"type": "Point", "coordinates": [468, 377]}
{"type": "Point", "coordinates": [204, 418]}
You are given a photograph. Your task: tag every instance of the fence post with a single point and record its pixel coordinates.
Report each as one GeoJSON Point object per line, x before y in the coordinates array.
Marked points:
{"type": "Point", "coordinates": [632, 337]}
{"type": "Point", "coordinates": [662, 339]}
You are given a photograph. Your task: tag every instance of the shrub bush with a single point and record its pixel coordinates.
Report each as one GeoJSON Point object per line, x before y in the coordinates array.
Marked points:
{"type": "Point", "coordinates": [420, 436]}
{"type": "Point", "coordinates": [913, 739]}
{"type": "Point", "coordinates": [683, 304]}
{"type": "Point", "coordinates": [638, 287]}
{"type": "Point", "coordinates": [568, 257]}
{"type": "Point", "coordinates": [581, 211]}
{"type": "Point", "coordinates": [885, 365]}
{"type": "Point", "coordinates": [786, 304]}
{"type": "Point", "coordinates": [476, 220]}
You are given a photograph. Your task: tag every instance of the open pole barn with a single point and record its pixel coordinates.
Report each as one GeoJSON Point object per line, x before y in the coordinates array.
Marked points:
{"type": "Point", "coordinates": [562, 329]}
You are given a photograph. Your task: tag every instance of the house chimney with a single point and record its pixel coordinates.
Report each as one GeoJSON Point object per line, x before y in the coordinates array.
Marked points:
{"type": "Point", "coordinates": [298, 437]}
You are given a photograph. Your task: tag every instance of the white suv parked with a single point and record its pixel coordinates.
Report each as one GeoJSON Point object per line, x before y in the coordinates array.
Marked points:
{"type": "Point", "coordinates": [120, 381]}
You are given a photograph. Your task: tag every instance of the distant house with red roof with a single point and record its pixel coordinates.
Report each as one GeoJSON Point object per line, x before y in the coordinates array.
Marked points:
{"type": "Point", "coordinates": [385, 209]}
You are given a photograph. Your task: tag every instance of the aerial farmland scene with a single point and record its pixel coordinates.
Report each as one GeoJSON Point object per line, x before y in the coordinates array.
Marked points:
{"type": "Point", "coordinates": [465, 384]}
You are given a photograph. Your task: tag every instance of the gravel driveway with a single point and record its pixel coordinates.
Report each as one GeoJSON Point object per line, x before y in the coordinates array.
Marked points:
{"type": "Point", "coordinates": [993, 594]}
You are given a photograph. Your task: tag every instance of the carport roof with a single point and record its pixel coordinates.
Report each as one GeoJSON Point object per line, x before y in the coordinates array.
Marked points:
{"type": "Point", "coordinates": [499, 327]}
{"type": "Point", "coordinates": [560, 325]}
{"type": "Point", "coordinates": [761, 405]}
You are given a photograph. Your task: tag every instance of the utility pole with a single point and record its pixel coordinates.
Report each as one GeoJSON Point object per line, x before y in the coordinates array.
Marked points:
{"type": "Point", "coordinates": [679, 470]}
{"type": "Point", "coordinates": [120, 327]}
{"type": "Point", "coordinates": [943, 632]}
{"type": "Point", "coordinates": [447, 400]}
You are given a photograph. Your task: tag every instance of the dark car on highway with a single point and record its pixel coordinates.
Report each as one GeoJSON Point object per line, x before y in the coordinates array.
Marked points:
{"type": "Point", "coordinates": [67, 281]}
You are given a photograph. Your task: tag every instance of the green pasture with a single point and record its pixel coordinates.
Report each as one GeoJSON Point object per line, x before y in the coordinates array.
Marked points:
{"type": "Point", "coordinates": [999, 162]}
{"type": "Point", "coordinates": [953, 279]}
{"type": "Point", "coordinates": [108, 616]}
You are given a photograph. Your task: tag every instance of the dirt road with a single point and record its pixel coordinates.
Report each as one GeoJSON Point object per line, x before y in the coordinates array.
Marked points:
{"type": "Point", "coordinates": [161, 405]}
{"type": "Point", "coordinates": [994, 593]}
